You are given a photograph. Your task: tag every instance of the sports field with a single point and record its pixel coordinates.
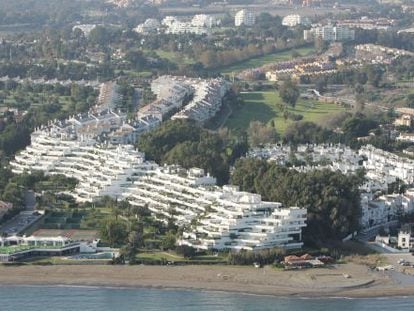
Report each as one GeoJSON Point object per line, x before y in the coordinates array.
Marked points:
{"type": "Point", "coordinates": [263, 106]}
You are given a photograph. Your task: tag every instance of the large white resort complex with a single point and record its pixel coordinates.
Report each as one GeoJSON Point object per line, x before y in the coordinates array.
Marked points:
{"type": "Point", "coordinates": [382, 169]}
{"type": "Point", "coordinates": [95, 150]}
{"type": "Point", "coordinates": [224, 217]}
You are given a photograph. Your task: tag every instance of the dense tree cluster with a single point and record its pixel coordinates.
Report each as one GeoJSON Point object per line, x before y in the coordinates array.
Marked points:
{"type": "Point", "coordinates": [289, 92]}
{"type": "Point", "coordinates": [15, 133]}
{"type": "Point", "coordinates": [358, 126]}
{"type": "Point", "coordinates": [305, 132]}
{"type": "Point", "coordinates": [260, 134]}
{"type": "Point", "coordinates": [331, 198]}
{"type": "Point", "coordinates": [185, 143]}
{"type": "Point", "coordinates": [13, 187]}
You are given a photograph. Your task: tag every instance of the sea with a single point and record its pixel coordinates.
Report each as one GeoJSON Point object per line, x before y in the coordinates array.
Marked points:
{"type": "Point", "coordinates": [64, 298]}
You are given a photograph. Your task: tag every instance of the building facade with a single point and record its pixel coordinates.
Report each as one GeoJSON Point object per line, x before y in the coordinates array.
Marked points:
{"type": "Point", "coordinates": [295, 20]}
{"type": "Point", "coordinates": [329, 33]}
{"type": "Point", "coordinates": [244, 17]}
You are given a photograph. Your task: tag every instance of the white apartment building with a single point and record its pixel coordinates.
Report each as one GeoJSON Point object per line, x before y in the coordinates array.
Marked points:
{"type": "Point", "coordinates": [100, 169]}
{"type": "Point", "coordinates": [406, 137]}
{"type": "Point", "coordinates": [171, 93]}
{"type": "Point", "coordinates": [206, 102]}
{"type": "Point", "coordinates": [151, 25]}
{"type": "Point", "coordinates": [84, 28]}
{"type": "Point", "coordinates": [330, 33]}
{"type": "Point", "coordinates": [406, 237]}
{"type": "Point", "coordinates": [368, 24]}
{"type": "Point", "coordinates": [199, 25]}
{"type": "Point", "coordinates": [172, 192]}
{"type": "Point", "coordinates": [335, 157]}
{"type": "Point", "coordinates": [240, 220]}
{"type": "Point", "coordinates": [174, 93]}
{"type": "Point", "coordinates": [108, 97]}
{"type": "Point", "coordinates": [384, 209]}
{"type": "Point", "coordinates": [382, 168]}
{"type": "Point", "coordinates": [187, 27]}
{"type": "Point", "coordinates": [244, 17]}
{"type": "Point", "coordinates": [203, 20]}
{"type": "Point", "coordinates": [169, 20]}
{"type": "Point", "coordinates": [387, 166]}
{"type": "Point", "coordinates": [225, 217]}
{"type": "Point", "coordinates": [295, 20]}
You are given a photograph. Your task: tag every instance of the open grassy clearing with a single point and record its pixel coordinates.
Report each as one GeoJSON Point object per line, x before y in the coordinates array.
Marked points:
{"type": "Point", "coordinates": [24, 100]}
{"type": "Point", "coordinates": [175, 57]}
{"type": "Point", "coordinates": [267, 59]}
{"type": "Point", "coordinates": [263, 106]}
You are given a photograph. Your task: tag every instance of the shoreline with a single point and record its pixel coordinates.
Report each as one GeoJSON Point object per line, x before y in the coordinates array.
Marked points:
{"type": "Point", "coordinates": [315, 283]}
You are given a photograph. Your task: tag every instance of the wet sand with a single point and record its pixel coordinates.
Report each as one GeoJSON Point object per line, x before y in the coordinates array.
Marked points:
{"type": "Point", "coordinates": [321, 282]}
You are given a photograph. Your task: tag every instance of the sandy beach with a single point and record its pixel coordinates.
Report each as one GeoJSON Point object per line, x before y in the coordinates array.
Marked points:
{"type": "Point", "coordinates": [267, 281]}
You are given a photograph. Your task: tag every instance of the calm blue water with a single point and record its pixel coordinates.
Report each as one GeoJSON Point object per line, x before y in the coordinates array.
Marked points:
{"type": "Point", "coordinates": [27, 298]}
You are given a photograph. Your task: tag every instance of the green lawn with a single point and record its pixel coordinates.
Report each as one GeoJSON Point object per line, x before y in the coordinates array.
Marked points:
{"type": "Point", "coordinates": [24, 99]}
{"type": "Point", "coordinates": [263, 106]}
{"type": "Point", "coordinates": [263, 60]}
{"type": "Point", "coordinates": [175, 57]}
